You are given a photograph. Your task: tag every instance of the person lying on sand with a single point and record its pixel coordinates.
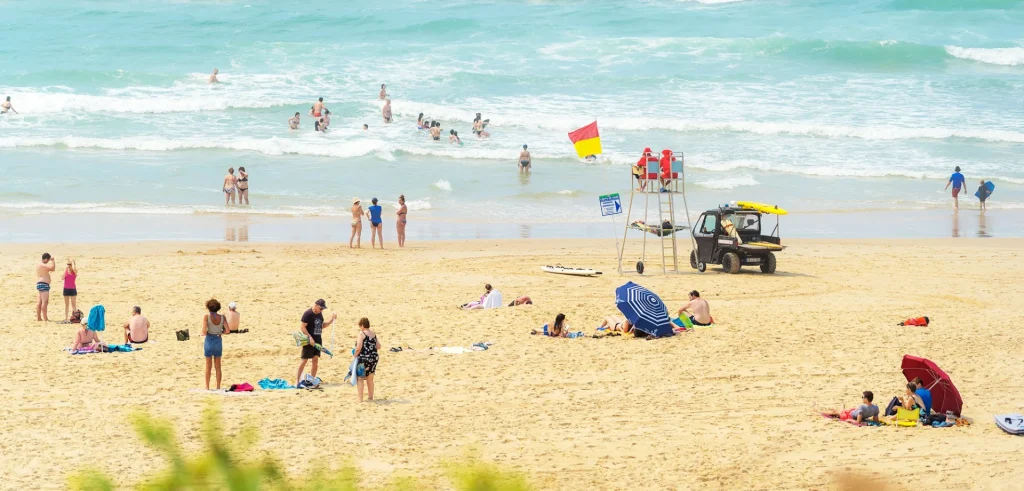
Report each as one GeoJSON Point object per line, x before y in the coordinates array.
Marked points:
{"type": "Point", "coordinates": [616, 324]}
{"type": "Point", "coordinates": [523, 300]}
{"type": "Point", "coordinates": [865, 412]}
{"type": "Point", "coordinates": [478, 305]}
{"type": "Point", "coordinates": [559, 328]}
{"type": "Point", "coordinates": [86, 339]}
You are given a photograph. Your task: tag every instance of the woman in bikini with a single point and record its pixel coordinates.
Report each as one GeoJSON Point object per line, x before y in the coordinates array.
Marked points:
{"type": "Point", "coordinates": [229, 186]}
{"type": "Point", "coordinates": [616, 324]}
{"type": "Point", "coordinates": [403, 213]}
{"type": "Point", "coordinates": [243, 186]}
{"type": "Point", "coordinates": [357, 223]}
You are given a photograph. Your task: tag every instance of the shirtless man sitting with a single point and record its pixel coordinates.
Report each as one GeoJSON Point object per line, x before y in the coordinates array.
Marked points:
{"type": "Point", "coordinates": [233, 317]}
{"type": "Point", "coordinates": [43, 271]}
{"type": "Point", "coordinates": [698, 308]}
{"type": "Point", "coordinates": [136, 331]}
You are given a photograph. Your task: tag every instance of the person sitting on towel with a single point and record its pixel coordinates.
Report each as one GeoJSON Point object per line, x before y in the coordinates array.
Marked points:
{"type": "Point", "coordinates": [867, 411]}
{"type": "Point", "coordinates": [698, 310]}
{"type": "Point", "coordinates": [478, 305]}
{"type": "Point", "coordinates": [87, 339]}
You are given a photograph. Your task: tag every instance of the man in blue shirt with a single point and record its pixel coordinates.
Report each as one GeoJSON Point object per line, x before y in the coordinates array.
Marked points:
{"type": "Point", "coordinates": [957, 180]}
{"type": "Point", "coordinates": [925, 395]}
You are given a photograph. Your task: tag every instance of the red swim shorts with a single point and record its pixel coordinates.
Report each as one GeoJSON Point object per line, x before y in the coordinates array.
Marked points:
{"type": "Point", "coordinates": [956, 191]}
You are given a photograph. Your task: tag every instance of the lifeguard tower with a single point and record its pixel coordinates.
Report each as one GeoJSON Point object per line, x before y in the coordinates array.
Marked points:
{"type": "Point", "coordinates": [660, 178]}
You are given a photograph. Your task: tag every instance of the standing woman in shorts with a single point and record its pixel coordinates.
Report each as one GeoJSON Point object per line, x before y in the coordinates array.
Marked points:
{"type": "Point", "coordinates": [214, 326]}
{"type": "Point", "coordinates": [366, 351]}
{"type": "Point", "coordinates": [70, 288]}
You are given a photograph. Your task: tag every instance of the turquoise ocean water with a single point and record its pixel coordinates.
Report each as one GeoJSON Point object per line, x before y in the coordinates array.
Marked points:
{"type": "Point", "coordinates": [824, 107]}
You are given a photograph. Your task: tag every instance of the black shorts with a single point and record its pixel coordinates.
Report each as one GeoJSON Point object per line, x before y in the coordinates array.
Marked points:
{"type": "Point", "coordinates": [310, 352]}
{"type": "Point", "coordinates": [70, 292]}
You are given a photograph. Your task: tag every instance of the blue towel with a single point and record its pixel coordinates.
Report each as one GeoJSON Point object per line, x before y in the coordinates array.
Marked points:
{"type": "Point", "coordinates": [121, 348]}
{"type": "Point", "coordinates": [97, 321]}
{"type": "Point", "coordinates": [274, 383]}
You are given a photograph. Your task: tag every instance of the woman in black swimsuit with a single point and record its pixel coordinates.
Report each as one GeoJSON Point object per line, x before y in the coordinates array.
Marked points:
{"type": "Point", "coordinates": [243, 186]}
{"type": "Point", "coordinates": [366, 351]}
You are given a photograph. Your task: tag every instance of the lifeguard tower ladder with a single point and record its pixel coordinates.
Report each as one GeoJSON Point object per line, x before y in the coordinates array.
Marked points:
{"type": "Point", "coordinates": [651, 182]}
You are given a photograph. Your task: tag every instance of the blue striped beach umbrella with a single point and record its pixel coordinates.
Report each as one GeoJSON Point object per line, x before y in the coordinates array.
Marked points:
{"type": "Point", "coordinates": [643, 309]}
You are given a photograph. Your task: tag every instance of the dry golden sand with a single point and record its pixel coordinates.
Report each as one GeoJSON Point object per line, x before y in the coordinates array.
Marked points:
{"type": "Point", "coordinates": [732, 407]}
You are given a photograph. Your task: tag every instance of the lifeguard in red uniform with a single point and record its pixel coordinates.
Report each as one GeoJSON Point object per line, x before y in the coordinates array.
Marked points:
{"type": "Point", "coordinates": [666, 167]}
{"type": "Point", "coordinates": [640, 171]}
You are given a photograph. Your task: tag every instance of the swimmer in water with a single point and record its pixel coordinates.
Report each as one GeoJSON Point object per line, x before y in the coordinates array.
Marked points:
{"type": "Point", "coordinates": [213, 76]}
{"type": "Point", "coordinates": [319, 125]}
{"type": "Point", "coordinates": [419, 122]}
{"type": "Point", "coordinates": [386, 112]}
{"type": "Point", "coordinates": [326, 120]}
{"type": "Point", "coordinates": [383, 92]}
{"type": "Point", "coordinates": [435, 131]}
{"type": "Point", "coordinates": [318, 107]}
{"type": "Point", "coordinates": [525, 161]}
{"type": "Point", "coordinates": [366, 127]}
{"type": "Point", "coordinates": [479, 125]}
{"type": "Point", "coordinates": [294, 122]}
{"type": "Point", "coordinates": [6, 106]}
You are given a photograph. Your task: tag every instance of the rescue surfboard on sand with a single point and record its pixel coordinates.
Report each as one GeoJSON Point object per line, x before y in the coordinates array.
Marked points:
{"type": "Point", "coordinates": [761, 207]}
{"type": "Point", "coordinates": [569, 271]}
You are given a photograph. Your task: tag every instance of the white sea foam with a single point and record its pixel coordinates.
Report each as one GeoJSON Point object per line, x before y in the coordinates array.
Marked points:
{"type": "Point", "coordinates": [728, 182]}
{"type": "Point", "coordinates": [994, 56]}
{"type": "Point", "coordinates": [443, 185]}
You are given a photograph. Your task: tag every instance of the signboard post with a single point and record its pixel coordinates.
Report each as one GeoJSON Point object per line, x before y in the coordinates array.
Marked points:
{"type": "Point", "coordinates": [611, 205]}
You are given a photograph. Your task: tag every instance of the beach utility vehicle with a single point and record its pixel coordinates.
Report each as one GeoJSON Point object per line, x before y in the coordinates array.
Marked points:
{"type": "Point", "coordinates": [731, 235]}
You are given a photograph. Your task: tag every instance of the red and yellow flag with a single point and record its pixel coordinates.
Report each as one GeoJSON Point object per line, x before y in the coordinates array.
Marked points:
{"type": "Point", "coordinates": [586, 140]}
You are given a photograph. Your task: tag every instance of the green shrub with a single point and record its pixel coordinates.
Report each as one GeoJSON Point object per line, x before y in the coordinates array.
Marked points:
{"type": "Point", "coordinates": [219, 467]}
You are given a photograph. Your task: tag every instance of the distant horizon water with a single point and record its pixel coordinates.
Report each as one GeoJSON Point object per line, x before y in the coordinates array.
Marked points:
{"type": "Point", "coordinates": [829, 109]}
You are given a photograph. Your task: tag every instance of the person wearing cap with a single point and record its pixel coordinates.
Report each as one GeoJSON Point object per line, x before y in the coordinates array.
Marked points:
{"type": "Point", "coordinates": [233, 317]}
{"type": "Point", "coordinates": [524, 160]}
{"type": "Point", "coordinates": [640, 171]}
{"type": "Point", "coordinates": [313, 326]}
{"type": "Point", "coordinates": [357, 223]}
{"type": "Point", "coordinates": [376, 224]}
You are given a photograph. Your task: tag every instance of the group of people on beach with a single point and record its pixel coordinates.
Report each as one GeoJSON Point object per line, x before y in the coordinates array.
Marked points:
{"type": "Point", "coordinates": [374, 213]}
{"type": "Point", "coordinates": [958, 181]}
{"type": "Point", "coordinates": [916, 396]}
{"type": "Point", "coordinates": [236, 185]}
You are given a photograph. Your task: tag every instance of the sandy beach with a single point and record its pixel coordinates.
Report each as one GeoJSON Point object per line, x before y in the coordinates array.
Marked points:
{"type": "Point", "coordinates": [731, 407]}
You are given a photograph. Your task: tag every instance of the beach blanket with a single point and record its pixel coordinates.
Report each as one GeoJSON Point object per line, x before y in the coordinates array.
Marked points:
{"type": "Point", "coordinates": [274, 384]}
{"type": "Point", "coordinates": [97, 318]}
{"type": "Point", "coordinates": [112, 348]}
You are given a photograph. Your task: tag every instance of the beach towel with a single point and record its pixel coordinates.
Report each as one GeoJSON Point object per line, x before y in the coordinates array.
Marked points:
{"type": "Point", "coordinates": [242, 387]}
{"type": "Point", "coordinates": [121, 348]}
{"type": "Point", "coordinates": [274, 384]}
{"type": "Point", "coordinates": [97, 318]}
{"type": "Point", "coordinates": [353, 371]}
{"type": "Point", "coordinates": [493, 300]}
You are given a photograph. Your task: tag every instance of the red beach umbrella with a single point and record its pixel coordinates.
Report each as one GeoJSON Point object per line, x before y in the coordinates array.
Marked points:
{"type": "Point", "coordinates": [945, 397]}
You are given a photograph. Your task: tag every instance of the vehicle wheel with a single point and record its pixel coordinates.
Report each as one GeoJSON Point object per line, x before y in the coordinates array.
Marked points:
{"type": "Point", "coordinates": [731, 262]}
{"type": "Point", "coordinates": [702, 267]}
{"type": "Point", "coordinates": [640, 267]}
{"type": "Point", "coordinates": [693, 259]}
{"type": "Point", "coordinates": [768, 265]}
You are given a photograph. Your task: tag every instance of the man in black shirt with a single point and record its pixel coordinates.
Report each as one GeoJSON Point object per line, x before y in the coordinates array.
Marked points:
{"type": "Point", "coordinates": [313, 327]}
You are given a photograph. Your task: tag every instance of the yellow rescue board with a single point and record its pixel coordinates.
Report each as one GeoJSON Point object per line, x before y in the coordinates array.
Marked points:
{"type": "Point", "coordinates": [761, 207]}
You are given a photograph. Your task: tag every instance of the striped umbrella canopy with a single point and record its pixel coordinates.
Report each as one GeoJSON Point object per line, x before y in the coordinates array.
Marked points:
{"type": "Point", "coordinates": [644, 310]}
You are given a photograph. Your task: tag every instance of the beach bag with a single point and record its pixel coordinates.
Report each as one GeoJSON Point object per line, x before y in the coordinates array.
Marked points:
{"type": "Point", "coordinates": [890, 410]}
{"type": "Point", "coordinates": [182, 335]}
{"type": "Point", "coordinates": [76, 317]}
